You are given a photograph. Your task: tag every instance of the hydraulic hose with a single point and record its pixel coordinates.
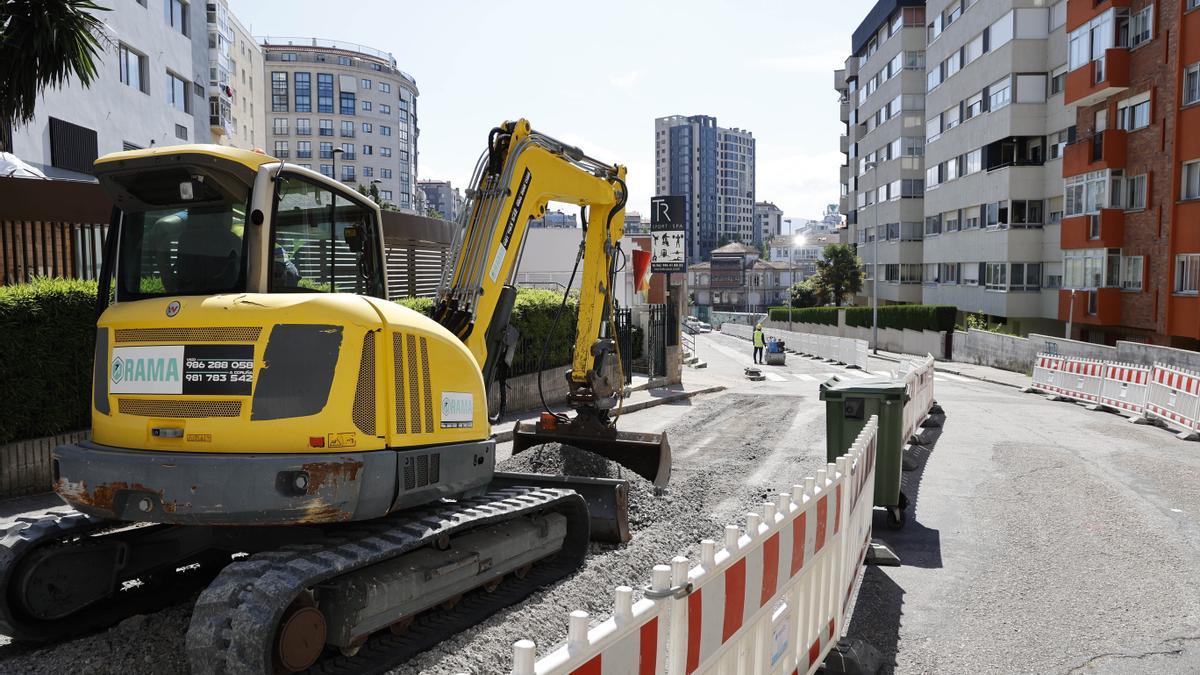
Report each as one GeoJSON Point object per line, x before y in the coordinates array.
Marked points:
{"type": "Point", "coordinates": [554, 324]}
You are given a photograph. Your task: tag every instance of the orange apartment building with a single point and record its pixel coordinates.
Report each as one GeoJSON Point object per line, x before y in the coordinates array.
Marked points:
{"type": "Point", "coordinates": [1131, 221]}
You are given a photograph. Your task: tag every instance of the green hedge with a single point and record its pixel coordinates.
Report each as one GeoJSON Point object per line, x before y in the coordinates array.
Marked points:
{"type": "Point", "coordinates": [912, 317]}
{"type": "Point", "coordinates": [49, 335]}
{"type": "Point", "coordinates": [827, 316]}
{"type": "Point", "coordinates": [533, 315]}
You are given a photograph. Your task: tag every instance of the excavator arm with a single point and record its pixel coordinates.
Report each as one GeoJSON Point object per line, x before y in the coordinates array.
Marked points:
{"type": "Point", "coordinates": [518, 175]}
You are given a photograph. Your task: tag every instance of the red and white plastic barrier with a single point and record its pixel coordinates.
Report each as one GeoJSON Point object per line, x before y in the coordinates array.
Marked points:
{"type": "Point", "coordinates": [849, 351]}
{"type": "Point", "coordinates": [1124, 387]}
{"type": "Point", "coordinates": [772, 598]}
{"type": "Point", "coordinates": [1075, 378]}
{"type": "Point", "coordinates": [1174, 397]}
{"type": "Point", "coordinates": [918, 380]}
{"type": "Point", "coordinates": [1047, 374]}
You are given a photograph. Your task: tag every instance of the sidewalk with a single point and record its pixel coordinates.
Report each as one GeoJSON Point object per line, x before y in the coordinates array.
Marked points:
{"type": "Point", "coordinates": [983, 373]}
{"type": "Point", "coordinates": [640, 399]}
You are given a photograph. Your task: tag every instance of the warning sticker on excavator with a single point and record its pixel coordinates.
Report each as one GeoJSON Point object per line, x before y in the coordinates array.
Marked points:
{"type": "Point", "coordinates": [344, 439]}
{"type": "Point", "coordinates": [458, 410]}
{"type": "Point", "coordinates": [510, 225]}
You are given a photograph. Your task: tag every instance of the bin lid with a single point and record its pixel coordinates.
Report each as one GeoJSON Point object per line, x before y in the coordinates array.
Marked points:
{"type": "Point", "coordinates": [836, 388]}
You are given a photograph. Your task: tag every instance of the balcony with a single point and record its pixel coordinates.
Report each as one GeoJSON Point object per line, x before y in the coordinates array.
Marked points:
{"type": "Point", "coordinates": [839, 79]}
{"type": "Point", "coordinates": [844, 205]}
{"type": "Point", "coordinates": [844, 110]}
{"type": "Point", "coordinates": [1105, 150]}
{"type": "Point", "coordinates": [844, 144]}
{"type": "Point", "coordinates": [1097, 307]}
{"type": "Point", "coordinates": [1094, 230]}
{"type": "Point", "coordinates": [1099, 79]}
{"type": "Point", "coordinates": [1080, 12]}
{"type": "Point", "coordinates": [844, 174]}
{"type": "Point", "coordinates": [851, 70]}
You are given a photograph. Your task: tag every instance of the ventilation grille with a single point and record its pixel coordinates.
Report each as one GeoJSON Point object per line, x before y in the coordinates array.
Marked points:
{"type": "Point", "coordinates": [410, 354]}
{"type": "Point", "coordinates": [363, 413]}
{"type": "Point", "coordinates": [422, 470]}
{"type": "Point", "coordinates": [159, 408]}
{"type": "Point", "coordinates": [215, 334]}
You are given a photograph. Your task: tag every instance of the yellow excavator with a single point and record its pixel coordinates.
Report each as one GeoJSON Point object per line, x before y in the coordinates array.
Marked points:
{"type": "Point", "coordinates": [268, 427]}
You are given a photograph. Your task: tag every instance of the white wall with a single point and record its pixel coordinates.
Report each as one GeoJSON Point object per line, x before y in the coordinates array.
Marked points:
{"type": "Point", "coordinates": [550, 253]}
{"type": "Point", "coordinates": [119, 113]}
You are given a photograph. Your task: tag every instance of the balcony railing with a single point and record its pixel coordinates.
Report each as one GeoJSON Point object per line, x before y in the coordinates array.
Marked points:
{"type": "Point", "coordinates": [1099, 79]}
{"type": "Point", "coordinates": [1094, 307]}
{"type": "Point", "coordinates": [304, 131]}
{"type": "Point", "coordinates": [1105, 229]}
{"type": "Point", "coordinates": [304, 154]}
{"type": "Point", "coordinates": [1105, 150]}
{"type": "Point", "coordinates": [281, 154]}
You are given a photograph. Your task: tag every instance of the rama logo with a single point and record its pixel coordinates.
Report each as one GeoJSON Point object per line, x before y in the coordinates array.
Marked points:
{"type": "Point", "coordinates": [117, 372]}
{"type": "Point", "coordinates": [145, 370]}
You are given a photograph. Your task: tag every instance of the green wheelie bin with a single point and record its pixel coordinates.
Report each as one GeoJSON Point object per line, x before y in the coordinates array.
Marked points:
{"type": "Point", "coordinates": [848, 406]}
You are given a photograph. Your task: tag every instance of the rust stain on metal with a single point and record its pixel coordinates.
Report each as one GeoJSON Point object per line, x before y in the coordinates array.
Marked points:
{"type": "Point", "coordinates": [317, 512]}
{"type": "Point", "coordinates": [334, 473]}
{"type": "Point", "coordinates": [103, 496]}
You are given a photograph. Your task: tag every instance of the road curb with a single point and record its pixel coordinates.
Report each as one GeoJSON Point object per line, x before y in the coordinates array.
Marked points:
{"type": "Point", "coordinates": [505, 436]}
{"type": "Point", "coordinates": [938, 367]}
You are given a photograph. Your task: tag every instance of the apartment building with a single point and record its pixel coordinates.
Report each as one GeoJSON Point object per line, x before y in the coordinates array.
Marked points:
{"type": "Point", "coordinates": [236, 114]}
{"type": "Point", "coordinates": [1132, 173]}
{"type": "Point", "coordinates": [995, 131]}
{"type": "Point", "coordinates": [883, 106]}
{"type": "Point", "coordinates": [345, 110]}
{"type": "Point", "coordinates": [442, 197]}
{"type": "Point", "coordinates": [713, 167]}
{"type": "Point", "coordinates": [150, 91]}
{"type": "Point", "coordinates": [768, 220]}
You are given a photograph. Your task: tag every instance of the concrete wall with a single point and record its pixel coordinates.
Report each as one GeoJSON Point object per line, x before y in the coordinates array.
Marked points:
{"type": "Point", "coordinates": [523, 389]}
{"type": "Point", "coordinates": [25, 465]}
{"type": "Point", "coordinates": [903, 342]}
{"type": "Point", "coordinates": [718, 318]}
{"type": "Point", "coordinates": [984, 348]}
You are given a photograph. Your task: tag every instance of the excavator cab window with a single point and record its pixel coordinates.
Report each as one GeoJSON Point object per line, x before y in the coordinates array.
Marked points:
{"type": "Point", "coordinates": [321, 242]}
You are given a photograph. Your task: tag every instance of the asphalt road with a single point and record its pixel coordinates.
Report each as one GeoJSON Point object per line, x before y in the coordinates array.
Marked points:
{"type": "Point", "coordinates": [1043, 538]}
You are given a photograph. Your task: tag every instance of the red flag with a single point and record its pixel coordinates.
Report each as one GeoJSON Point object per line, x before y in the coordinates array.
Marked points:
{"type": "Point", "coordinates": [641, 270]}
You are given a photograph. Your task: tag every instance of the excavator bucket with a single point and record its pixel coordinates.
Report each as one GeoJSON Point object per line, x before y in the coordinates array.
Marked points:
{"type": "Point", "coordinates": [607, 500]}
{"type": "Point", "coordinates": [647, 455]}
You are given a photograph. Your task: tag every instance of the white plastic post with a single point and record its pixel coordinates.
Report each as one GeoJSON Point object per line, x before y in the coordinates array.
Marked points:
{"type": "Point", "coordinates": [577, 630]}
{"type": "Point", "coordinates": [798, 494]}
{"type": "Point", "coordinates": [822, 479]}
{"type": "Point", "coordinates": [732, 534]}
{"type": "Point", "coordinates": [679, 570]}
{"type": "Point", "coordinates": [524, 657]}
{"type": "Point", "coordinates": [753, 520]}
{"type": "Point", "coordinates": [809, 485]}
{"type": "Point", "coordinates": [708, 554]}
{"type": "Point", "coordinates": [623, 604]}
{"type": "Point", "coordinates": [782, 501]}
{"type": "Point", "coordinates": [768, 513]}
{"type": "Point", "coordinates": [831, 472]}
{"type": "Point", "coordinates": [660, 577]}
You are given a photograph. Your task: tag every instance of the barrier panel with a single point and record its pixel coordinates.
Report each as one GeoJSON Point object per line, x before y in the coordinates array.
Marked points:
{"type": "Point", "coordinates": [918, 380]}
{"type": "Point", "coordinates": [1047, 374]}
{"type": "Point", "coordinates": [849, 351]}
{"type": "Point", "coordinates": [1124, 387]}
{"type": "Point", "coordinates": [1173, 395]}
{"type": "Point", "coordinates": [772, 598]}
{"type": "Point", "coordinates": [1082, 379]}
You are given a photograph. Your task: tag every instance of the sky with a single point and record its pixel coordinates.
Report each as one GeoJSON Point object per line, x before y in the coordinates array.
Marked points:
{"type": "Point", "coordinates": [596, 75]}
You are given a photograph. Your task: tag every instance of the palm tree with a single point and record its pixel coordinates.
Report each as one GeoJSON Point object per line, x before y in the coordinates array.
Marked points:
{"type": "Point", "coordinates": [42, 44]}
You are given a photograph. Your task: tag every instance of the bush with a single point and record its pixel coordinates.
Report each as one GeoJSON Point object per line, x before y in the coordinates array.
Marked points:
{"type": "Point", "coordinates": [49, 329]}
{"type": "Point", "coordinates": [827, 316]}
{"type": "Point", "coordinates": [912, 317]}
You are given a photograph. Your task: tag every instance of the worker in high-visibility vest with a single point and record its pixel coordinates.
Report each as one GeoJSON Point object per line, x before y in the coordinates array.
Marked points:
{"type": "Point", "coordinates": [760, 341]}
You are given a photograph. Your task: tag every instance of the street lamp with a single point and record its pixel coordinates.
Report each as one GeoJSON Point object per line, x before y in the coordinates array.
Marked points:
{"type": "Point", "coordinates": [336, 152]}
{"type": "Point", "coordinates": [871, 166]}
{"type": "Point", "coordinates": [1070, 313]}
{"type": "Point", "coordinates": [797, 242]}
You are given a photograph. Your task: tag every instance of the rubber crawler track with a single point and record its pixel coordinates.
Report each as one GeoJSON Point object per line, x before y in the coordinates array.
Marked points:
{"type": "Point", "coordinates": [235, 621]}
{"type": "Point", "coordinates": [24, 535]}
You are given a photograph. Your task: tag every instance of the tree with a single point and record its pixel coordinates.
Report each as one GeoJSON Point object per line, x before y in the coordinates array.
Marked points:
{"type": "Point", "coordinates": [839, 273]}
{"type": "Point", "coordinates": [43, 43]}
{"type": "Point", "coordinates": [434, 213]}
{"type": "Point", "coordinates": [806, 294]}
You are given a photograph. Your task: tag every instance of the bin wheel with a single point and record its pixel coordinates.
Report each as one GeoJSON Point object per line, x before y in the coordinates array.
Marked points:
{"type": "Point", "coordinates": [903, 501]}
{"type": "Point", "coordinates": [895, 517]}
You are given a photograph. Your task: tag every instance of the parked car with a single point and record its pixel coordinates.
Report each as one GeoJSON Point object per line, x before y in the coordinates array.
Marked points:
{"type": "Point", "coordinates": [697, 326]}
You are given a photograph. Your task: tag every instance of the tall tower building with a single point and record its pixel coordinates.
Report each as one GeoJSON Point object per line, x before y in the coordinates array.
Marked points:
{"type": "Point", "coordinates": [713, 167]}
{"type": "Point", "coordinates": [323, 95]}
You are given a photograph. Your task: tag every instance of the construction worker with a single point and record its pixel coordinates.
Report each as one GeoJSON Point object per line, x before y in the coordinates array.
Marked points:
{"type": "Point", "coordinates": [760, 341]}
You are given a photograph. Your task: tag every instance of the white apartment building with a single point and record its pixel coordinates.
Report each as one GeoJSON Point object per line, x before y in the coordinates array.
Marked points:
{"type": "Point", "coordinates": [236, 114]}
{"type": "Point", "coordinates": [995, 131]}
{"type": "Point", "coordinates": [883, 106]}
{"type": "Point", "coordinates": [768, 218]}
{"type": "Point", "coordinates": [345, 110]}
{"type": "Point", "coordinates": [150, 91]}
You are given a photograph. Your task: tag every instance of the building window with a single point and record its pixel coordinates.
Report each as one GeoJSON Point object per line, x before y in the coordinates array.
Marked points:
{"type": "Point", "coordinates": [366, 105]}
{"type": "Point", "coordinates": [279, 91]}
{"type": "Point", "coordinates": [281, 149]}
{"type": "Point", "coordinates": [385, 195]}
{"type": "Point", "coordinates": [1141, 26]}
{"type": "Point", "coordinates": [1000, 94]}
{"type": "Point", "coordinates": [177, 93]}
{"type": "Point", "coordinates": [385, 173]}
{"type": "Point", "coordinates": [1191, 83]}
{"type": "Point", "coordinates": [176, 14]}
{"type": "Point", "coordinates": [324, 92]}
{"type": "Point", "coordinates": [385, 130]}
{"type": "Point", "coordinates": [303, 92]}
{"type": "Point", "coordinates": [303, 127]}
{"type": "Point", "coordinates": [347, 102]}
{"type": "Point", "coordinates": [1191, 180]}
{"type": "Point", "coordinates": [1086, 193]}
{"type": "Point", "coordinates": [181, 132]}
{"type": "Point", "coordinates": [385, 152]}
{"type": "Point", "coordinates": [1088, 268]}
{"type": "Point", "coordinates": [368, 150]}
{"type": "Point", "coordinates": [327, 170]}
{"type": "Point", "coordinates": [1134, 114]}
{"type": "Point", "coordinates": [288, 56]}
{"type": "Point", "coordinates": [133, 69]}
{"type": "Point", "coordinates": [1058, 81]}
{"type": "Point", "coordinates": [997, 276]}
{"type": "Point", "coordinates": [368, 171]}
{"type": "Point", "coordinates": [1025, 277]}
{"type": "Point", "coordinates": [1058, 143]}
{"type": "Point", "coordinates": [347, 151]}
{"type": "Point", "coordinates": [1026, 212]}
{"type": "Point", "coordinates": [304, 149]}
{"type": "Point", "coordinates": [385, 109]}
{"type": "Point", "coordinates": [279, 126]}
{"type": "Point", "coordinates": [365, 84]}
{"type": "Point", "coordinates": [344, 61]}
{"type": "Point", "coordinates": [326, 127]}
{"type": "Point", "coordinates": [366, 127]}
{"type": "Point", "coordinates": [1131, 273]}
{"type": "Point", "coordinates": [385, 87]}
{"type": "Point", "coordinates": [1187, 273]}
{"type": "Point", "coordinates": [347, 173]}
{"type": "Point", "coordinates": [347, 129]}
{"type": "Point", "coordinates": [1135, 193]}
{"type": "Point", "coordinates": [326, 150]}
